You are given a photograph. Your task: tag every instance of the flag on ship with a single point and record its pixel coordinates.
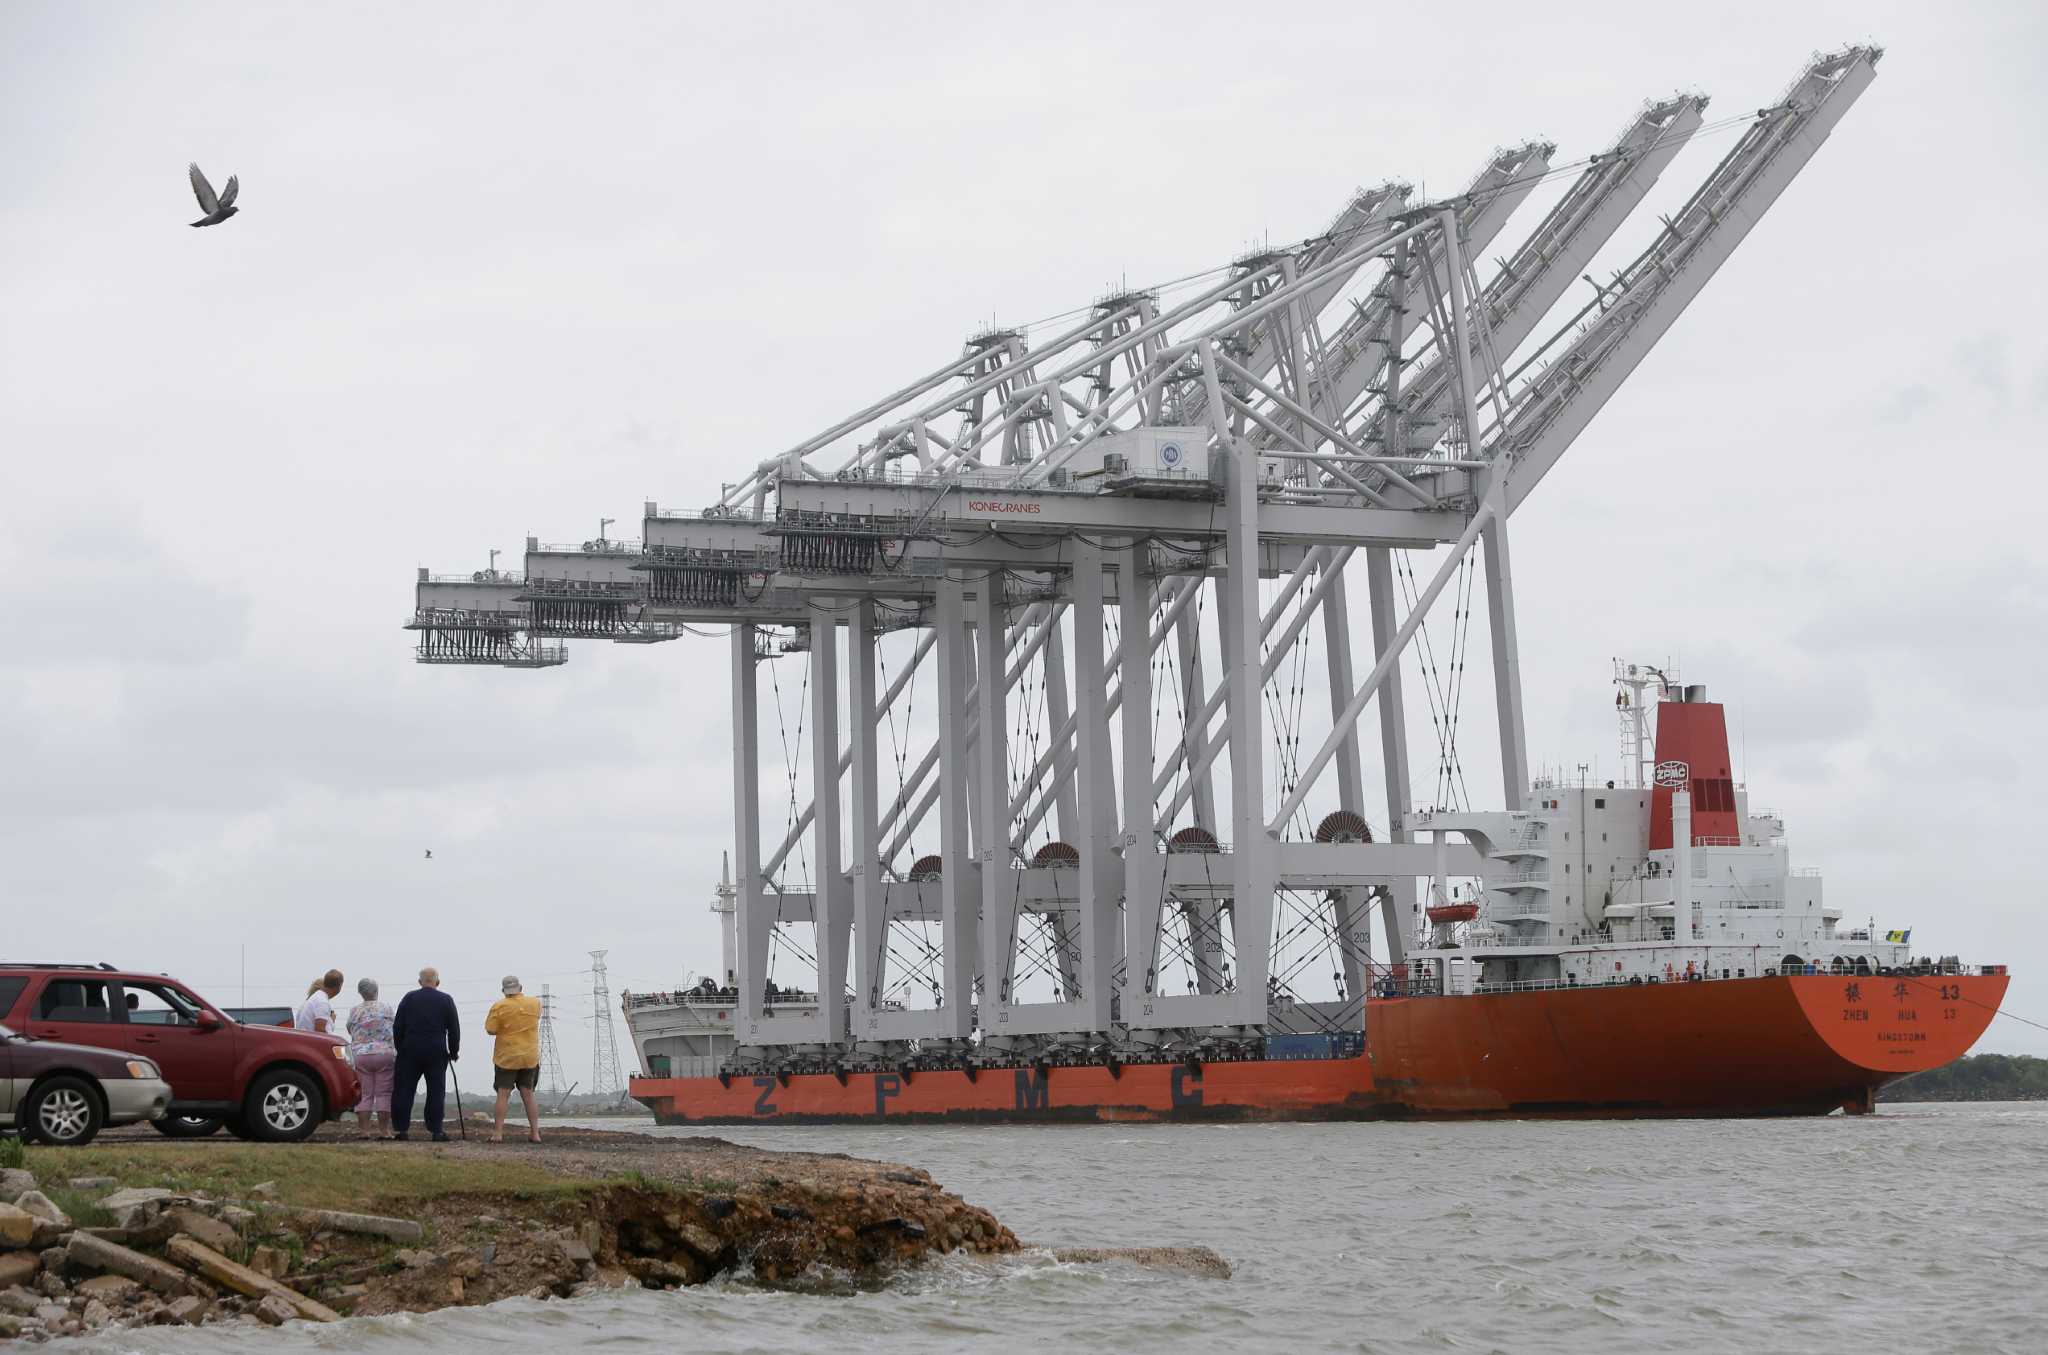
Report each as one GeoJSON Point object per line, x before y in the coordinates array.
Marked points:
{"type": "Point", "coordinates": [1900, 937]}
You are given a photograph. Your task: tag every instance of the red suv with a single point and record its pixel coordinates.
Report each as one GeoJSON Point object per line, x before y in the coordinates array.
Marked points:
{"type": "Point", "coordinates": [259, 1081]}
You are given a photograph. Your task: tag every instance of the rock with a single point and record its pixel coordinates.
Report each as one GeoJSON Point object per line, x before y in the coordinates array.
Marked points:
{"type": "Point", "coordinates": [414, 1260]}
{"type": "Point", "coordinates": [13, 1181]}
{"type": "Point", "coordinates": [272, 1261]}
{"type": "Point", "coordinates": [240, 1278]}
{"type": "Point", "coordinates": [93, 1183]}
{"type": "Point", "coordinates": [18, 1267]}
{"type": "Point", "coordinates": [236, 1217]}
{"type": "Point", "coordinates": [96, 1315]}
{"type": "Point", "coordinates": [789, 1212]}
{"type": "Point", "coordinates": [17, 1226]}
{"type": "Point", "coordinates": [211, 1231]}
{"type": "Point", "coordinates": [264, 1190]}
{"type": "Point", "coordinates": [109, 1288]}
{"type": "Point", "coordinates": [93, 1253]}
{"type": "Point", "coordinates": [609, 1277]}
{"type": "Point", "coordinates": [275, 1310]}
{"type": "Point", "coordinates": [51, 1285]}
{"type": "Point", "coordinates": [577, 1251]}
{"type": "Point", "coordinates": [54, 1259]}
{"type": "Point", "coordinates": [190, 1310]}
{"type": "Point", "coordinates": [51, 1314]}
{"type": "Point", "coordinates": [466, 1266]}
{"type": "Point", "coordinates": [655, 1273]}
{"type": "Point", "coordinates": [1188, 1260]}
{"type": "Point", "coordinates": [370, 1225]}
{"type": "Point", "coordinates": [352, 1291]}
{"type": "Point", "coordinates": [10, 1326]}
{"type": "Point", "coordinates": [14, 1299]}
{"type": "Point", "coordinates": [136, 1206]}
{"type": "Point", "coordinates": [52, 1223]}
{"type": "Point", "coordinates": [720, 1206]}
{"type": "Point", "coordinates": [707, 1245]}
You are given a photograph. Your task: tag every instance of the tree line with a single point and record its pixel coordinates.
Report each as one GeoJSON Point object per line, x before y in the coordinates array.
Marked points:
{"type": "Point", "coordinates": [1977, 1077]}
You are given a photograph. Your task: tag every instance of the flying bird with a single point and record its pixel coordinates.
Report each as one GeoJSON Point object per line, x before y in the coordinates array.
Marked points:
{"type": "Point", "coordinates": [217, 209]}
{"type": "Point", "coordinates": [430, 853]}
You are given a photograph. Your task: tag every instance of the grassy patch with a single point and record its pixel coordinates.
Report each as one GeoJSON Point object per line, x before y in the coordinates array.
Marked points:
{"type": "Point", "coordinates": [11, 1152]}
{"type": "Point", "coordinates": [82, 1206]}
{"type": "Point", "coordinates": [309, 1175]}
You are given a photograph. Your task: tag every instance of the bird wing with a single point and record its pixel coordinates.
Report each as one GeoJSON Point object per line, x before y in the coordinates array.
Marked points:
{"type": "Point", "coordinates": [203, 190]}
{"type": "Point", "coordinates": [227, 196]}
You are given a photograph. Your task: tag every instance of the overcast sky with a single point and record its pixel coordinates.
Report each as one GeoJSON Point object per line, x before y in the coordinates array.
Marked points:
{"type": "Point", "coordinates": [502, 271]}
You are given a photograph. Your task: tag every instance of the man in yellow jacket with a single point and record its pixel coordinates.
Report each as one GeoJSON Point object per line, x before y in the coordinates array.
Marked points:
{"type": "Point", "coordinates": [515, 1020]}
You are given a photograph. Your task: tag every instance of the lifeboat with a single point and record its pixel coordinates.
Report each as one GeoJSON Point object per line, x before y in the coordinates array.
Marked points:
{"type": "Point", "coordinates": [1451, 912]}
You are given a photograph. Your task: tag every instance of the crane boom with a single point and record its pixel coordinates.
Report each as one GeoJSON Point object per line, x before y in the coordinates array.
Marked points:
{"type": "Point", "coordinates": [1551, 410]}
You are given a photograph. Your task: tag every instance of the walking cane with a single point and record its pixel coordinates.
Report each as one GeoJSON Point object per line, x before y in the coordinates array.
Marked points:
{"type": "Point", "coordinates": [460, 1119]}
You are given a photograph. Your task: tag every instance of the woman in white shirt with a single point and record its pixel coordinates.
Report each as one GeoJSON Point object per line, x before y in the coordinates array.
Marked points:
{"type": "Point", "coordinates": [316, 1013]}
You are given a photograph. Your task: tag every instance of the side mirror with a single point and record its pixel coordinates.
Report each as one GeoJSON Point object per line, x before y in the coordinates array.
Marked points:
{"type": "Point", "coordinates": [207, 1020]}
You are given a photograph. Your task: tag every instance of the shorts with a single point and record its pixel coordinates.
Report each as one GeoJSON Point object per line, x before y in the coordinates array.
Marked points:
{"type": "Point", "coordinates": [373, 1070]}
{"type": "Point", "coordinates": [505, 1079]}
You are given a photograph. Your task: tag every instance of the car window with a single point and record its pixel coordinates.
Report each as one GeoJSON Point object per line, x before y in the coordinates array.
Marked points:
{"type": "Point", "coordinates": [151, 1005]}
{"type": "Point", "coordinates": [76, 1000]}
{"type": "Point", "coordinates": [10, 992]}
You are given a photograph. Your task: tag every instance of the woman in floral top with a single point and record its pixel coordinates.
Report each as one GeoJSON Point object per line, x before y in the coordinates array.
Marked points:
{"type": "Point", "coordinates": [371, 1049]}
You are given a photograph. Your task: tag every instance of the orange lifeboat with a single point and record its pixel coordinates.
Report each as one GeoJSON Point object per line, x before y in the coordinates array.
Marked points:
{"type": "Point", "coordinates": [1451, 912]}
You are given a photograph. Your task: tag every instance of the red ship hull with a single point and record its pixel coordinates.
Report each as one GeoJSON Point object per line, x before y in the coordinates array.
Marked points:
{"type": "Point", "coordinates": [1804, 1045]}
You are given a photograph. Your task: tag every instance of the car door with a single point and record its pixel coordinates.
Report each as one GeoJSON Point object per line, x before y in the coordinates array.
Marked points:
{"type": "Point", "coordinates": [164, 1026]}
{"type": "Point", "coordinates": [77, 1008]}
{"type": "Point", "coordinates": [6, 1073]}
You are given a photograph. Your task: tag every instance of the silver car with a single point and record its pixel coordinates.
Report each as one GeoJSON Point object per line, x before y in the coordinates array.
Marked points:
{"type": "Point", "coordinates": [64, 1094]}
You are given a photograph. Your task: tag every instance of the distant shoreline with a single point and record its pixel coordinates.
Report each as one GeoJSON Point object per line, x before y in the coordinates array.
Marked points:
{"type": "Point", "coordinates": [1975, 1077]}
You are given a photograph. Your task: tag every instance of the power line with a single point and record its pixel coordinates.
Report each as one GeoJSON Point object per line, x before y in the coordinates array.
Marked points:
{"type": "Point", "coordinates": [605, 1077]}
{"type": "Point", "coordinates": [550, 1057]}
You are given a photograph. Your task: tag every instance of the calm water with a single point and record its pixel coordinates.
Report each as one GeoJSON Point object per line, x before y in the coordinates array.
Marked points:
{"type": "Point", "coordinates": [1926, 1225]}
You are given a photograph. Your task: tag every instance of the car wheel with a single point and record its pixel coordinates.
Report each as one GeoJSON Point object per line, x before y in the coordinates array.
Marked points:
{"type": "Point", "coordinates": [186, 1126]}
{"type": "Point", "coordinates": [238, 1127]}
{"type": "Point", "coordinates": [283, 1106]}
{"type": "Point", "coordinates": [63, 1113]}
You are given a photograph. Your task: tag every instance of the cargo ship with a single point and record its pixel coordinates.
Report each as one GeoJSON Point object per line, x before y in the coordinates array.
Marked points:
{"type": "Point", "coordinates": [1632, 950]}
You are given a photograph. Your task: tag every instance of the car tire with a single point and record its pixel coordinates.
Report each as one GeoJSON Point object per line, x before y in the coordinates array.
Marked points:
{"type": "Point", "coordinates": [238, 1127]}
{"type": "Point", "coordinates": [187, 1126]}
{"type": "Point", "coordinates": [284, 1105]}
{"type": "Point", "coordinates": [63, 1112]}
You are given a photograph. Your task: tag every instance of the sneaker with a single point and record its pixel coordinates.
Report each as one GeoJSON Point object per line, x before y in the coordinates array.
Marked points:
{"type": "Point", "coordinates": [400, 1137]}
{"type": "Point", "coordinates": [440, 1138]}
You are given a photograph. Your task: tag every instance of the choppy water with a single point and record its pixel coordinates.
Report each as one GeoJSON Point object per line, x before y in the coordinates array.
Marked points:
{"type": "Point", "coordinates": [1925, 1227]}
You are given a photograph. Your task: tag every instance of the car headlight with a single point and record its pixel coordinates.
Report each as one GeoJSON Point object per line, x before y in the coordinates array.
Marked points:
{"type": "Point", "coordinates": [143, 1069]}
{"type": "Point", "coordinates": [341, 1052]}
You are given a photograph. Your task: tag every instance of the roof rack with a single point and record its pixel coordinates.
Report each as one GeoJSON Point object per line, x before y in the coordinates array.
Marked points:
{"type": "Point", "coordinates": [42, 964]}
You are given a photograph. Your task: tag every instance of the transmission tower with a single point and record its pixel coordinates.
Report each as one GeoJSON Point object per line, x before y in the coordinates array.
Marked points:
{"type": "Point", "coordinates": [550, 1057]}
{"type": "Point", "coordinates": [605, 1076]}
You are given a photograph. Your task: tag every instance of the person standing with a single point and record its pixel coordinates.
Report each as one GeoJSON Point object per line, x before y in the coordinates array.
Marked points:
{"type": "Point", "coordinates": [515, 1020]}
{"type": "Point", "coordinates": [316, 1013]}
{"type": "Point", "coordinates": [373, 1050]}
{"type": "Point", "coordinates": [428, 1035]}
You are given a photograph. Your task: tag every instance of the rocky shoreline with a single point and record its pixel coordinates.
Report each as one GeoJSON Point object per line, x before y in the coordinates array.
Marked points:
{"type": "Point", "coordinates": [151, 1231]}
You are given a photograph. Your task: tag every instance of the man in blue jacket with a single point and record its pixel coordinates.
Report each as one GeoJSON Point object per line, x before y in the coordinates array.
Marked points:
{"type": "Point", "coordinates": [428, 1034]}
